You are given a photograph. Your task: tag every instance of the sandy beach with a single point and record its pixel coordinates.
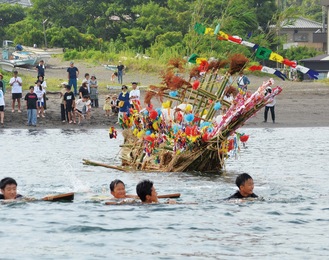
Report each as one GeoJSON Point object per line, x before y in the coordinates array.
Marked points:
{"type": "Point", "coordinates": [301, 104]}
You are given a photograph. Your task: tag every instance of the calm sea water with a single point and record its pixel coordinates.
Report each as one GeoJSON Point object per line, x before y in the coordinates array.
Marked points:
{"type": "Point", "coordinates": [290, 171]}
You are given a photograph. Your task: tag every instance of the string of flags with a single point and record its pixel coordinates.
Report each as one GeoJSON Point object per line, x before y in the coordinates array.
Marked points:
{"type": "Point", "coordinates": [260, 52]}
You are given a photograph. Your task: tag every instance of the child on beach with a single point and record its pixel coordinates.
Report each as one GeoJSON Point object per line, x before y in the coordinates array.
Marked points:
{"type": "Point", "coordinates": [39, 91]}
{"type": "Point", "coordinates": [69, 104]}
{"type": "Point", "coordinates": [115, 104]}
{"type": "Point", "coordinates": [31, 105]}
{"type": "Point", "coordinates": [246, 186]}
{"type": "Point", "coordinates": [107, 106]}
{"type": "Point", "coordinates": [80, 108]}
{"type": "Point", "coordinates": [61, 95]}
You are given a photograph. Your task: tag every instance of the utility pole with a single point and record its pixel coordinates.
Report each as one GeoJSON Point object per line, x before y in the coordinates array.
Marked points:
{"type": "Point", "coordinates": [44, 31]}
{"type": "Point", "coordinates": [325, 3]}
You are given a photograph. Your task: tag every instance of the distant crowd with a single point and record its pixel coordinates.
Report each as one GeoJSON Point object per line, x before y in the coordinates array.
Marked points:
{"type": "Point", "coordinates": [76, 103]}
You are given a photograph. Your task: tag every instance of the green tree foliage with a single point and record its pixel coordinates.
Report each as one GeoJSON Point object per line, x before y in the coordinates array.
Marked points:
{"type": "Point", "coordinates": [153, 27]}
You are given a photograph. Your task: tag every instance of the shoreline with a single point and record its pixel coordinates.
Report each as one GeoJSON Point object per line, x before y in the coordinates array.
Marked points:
{"type": "Point", "coordinates": [301, 104]}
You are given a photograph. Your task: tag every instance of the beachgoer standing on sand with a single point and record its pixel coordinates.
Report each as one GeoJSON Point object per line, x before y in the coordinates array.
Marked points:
{"type": "Point", "coordinates": [64, 116]}
{"type": "Point", "coordinates": [73, 74]}
{"type": "Point", "coordinates": [87, 78]}
{"type": "Point", "coordinates": [83, 90]}
{"type": "Point", "coordinates": [39, 91]}
{"type": "Point", "coordinates": [269, 106]}
{"type": "Point", "coordinates": [2, 84]}
{"type": "Point", "coordinates": [107, 106]}
{"type": "Point", "coordinates": [31, 105]}
{"type": "Point", "coordinates": [243, 82]}
{"type": "Point", "coordinates": [94, 91]}
{"type": "Point", "coordinates": [134, 97]}
{"type": "Point", "coordinates": [44, 86]}
{"type": "Point", "coordinates": [124, 103]}
{"type": "Point", "coordinates": [40, 68]}
{"type": "Point", "coordinates": [2, 107]}
{"type": "Point", "coordinates": [69, 104]}
{"type": "Point", "coordinates": [121, 69]}
{"type": "Point", "coordinates": [16, 91]}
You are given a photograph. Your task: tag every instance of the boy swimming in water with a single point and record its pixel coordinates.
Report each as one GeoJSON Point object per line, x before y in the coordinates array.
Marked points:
{"type": "Point", "coordinates": [246, 186]}
{"type": "Point", "coordinates": [8, 187]}
{"type": "Point", "coordinates": [118, 190]}
{"type": "Point", "coordinates": [146, 192]}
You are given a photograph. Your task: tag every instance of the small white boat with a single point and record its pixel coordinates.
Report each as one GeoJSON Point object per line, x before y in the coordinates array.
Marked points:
{"type": "Point", "coordinates": [111, 67]}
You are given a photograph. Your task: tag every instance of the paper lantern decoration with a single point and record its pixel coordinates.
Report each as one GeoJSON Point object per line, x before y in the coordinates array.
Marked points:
{"type": "Point", "coordinates": [146, 113]}
{"type": "Point", "coordinates": [188, 130]}
{"type": "Point", "coordinates": [155, 126]}
{"type": "Point", "coordinates": [148, 132]}
{"type": "Point", "coordinates": [189, 118]}
{"type": "Point", "coordinates": [166, 104]}
{"type": "Point", "coordinates": [179, 117]}
{"type": "Point", "coordinates": [196, 84]}
{"type": "Point", "coordinates": [217, 106]}
{"type": "Point", "coordinates": [173, 93]}
{"type": "Point", "coordinates": [176, 128]}
{"type": "Point", "coordinates": [188, 108]}
{"type": "Point", "coordinates": [244, 138]}
{"type": "Point", "coordinates": [159, 111]}
{"type": "Point", "coordinates": [141, 134]}
{"type": "Point", "coordinates": [153, 114]}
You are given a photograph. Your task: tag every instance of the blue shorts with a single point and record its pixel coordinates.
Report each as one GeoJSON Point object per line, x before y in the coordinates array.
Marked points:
{"type": "Point", "coordinates": [40, 104]}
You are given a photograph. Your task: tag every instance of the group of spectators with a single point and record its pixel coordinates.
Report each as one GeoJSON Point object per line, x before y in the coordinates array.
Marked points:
{"type": "Point", "coordinates": [76, 103]}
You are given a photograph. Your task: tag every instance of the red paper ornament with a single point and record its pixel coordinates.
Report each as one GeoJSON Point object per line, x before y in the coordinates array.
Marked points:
{"type": "Point", "coordinates": [244, 138]}
{"type": "Point", "coordinates": [196, 84]}
{"type": "Point", "coordinates": [153, 114]}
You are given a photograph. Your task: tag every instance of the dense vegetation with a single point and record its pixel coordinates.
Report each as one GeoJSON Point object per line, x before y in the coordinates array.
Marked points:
{"type": "Point", "coordinates": [158, 29]}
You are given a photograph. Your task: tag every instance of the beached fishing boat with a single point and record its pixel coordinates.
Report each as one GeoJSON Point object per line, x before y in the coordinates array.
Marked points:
{"type": "Point", "coordinates": [16, 57]}
{"type": "Point", "coordinates": [6, 65]}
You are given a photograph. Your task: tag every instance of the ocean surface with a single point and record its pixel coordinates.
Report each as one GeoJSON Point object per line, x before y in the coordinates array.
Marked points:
{"type": "Point", "coordinates": [289, 167]}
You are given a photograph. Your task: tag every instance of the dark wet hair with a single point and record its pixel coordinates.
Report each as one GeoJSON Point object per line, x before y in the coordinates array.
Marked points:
{"type": "Point", "coordinates": [86, 74]}
{"type": "Point", "coordinates": [115, 183]}
{"type": "Point", "coordinates": [144, 188]}
{"type": "Point", "coordinates": [241, 179]}
{"type": "Point", "coordinates": [7, 181]}
{"type": "Point", "coordinates": [68, 87]}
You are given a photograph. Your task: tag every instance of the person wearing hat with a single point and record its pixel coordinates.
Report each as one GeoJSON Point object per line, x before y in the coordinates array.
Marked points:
{"type": "Point", "coordinates": [269, 106]}
{"type": "Point", "coordinates": [134, 97]}
{"type": "Point", "coordinates": [2, 84]}
{"type": "Point", "coordinates": [93, 91]}
{"type": "Point", "coordinates": [73, 73]}
{"type": "Point", "coordinates": [107, 106]}
{"type": "Point", "coordinates": [124, 103]}
{"type": "Point", "coordinates": [121, 69]}
{"type": "Point", "coordinates": [16, 91]}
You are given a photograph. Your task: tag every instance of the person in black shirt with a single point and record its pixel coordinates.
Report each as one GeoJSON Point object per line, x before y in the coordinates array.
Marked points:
{"type": "Point", "coordinates": [40, 68]}
{"type": "Point", "coordinates": [31, 105]}
{"type": "Point", "coordinates": [69, 103]}
{"type": "Point", "coordinates": [121, 69]}
{"type": "Point", "coordinates": [83, 90]}
{"type": "Point", "coordinates": [246, 186]}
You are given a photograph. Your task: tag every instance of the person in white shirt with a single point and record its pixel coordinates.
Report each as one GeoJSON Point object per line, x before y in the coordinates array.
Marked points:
{"type": "Point", "coordinates": [80, 107]}
{"type": "Point", "coordinates": [269, 106]}
{"type": "Point", "coordinates": [134, 96]}
{"type": "Point", "coordinates": [16, 91]}
{"type": "Point", "coordinates": [40, 92]}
